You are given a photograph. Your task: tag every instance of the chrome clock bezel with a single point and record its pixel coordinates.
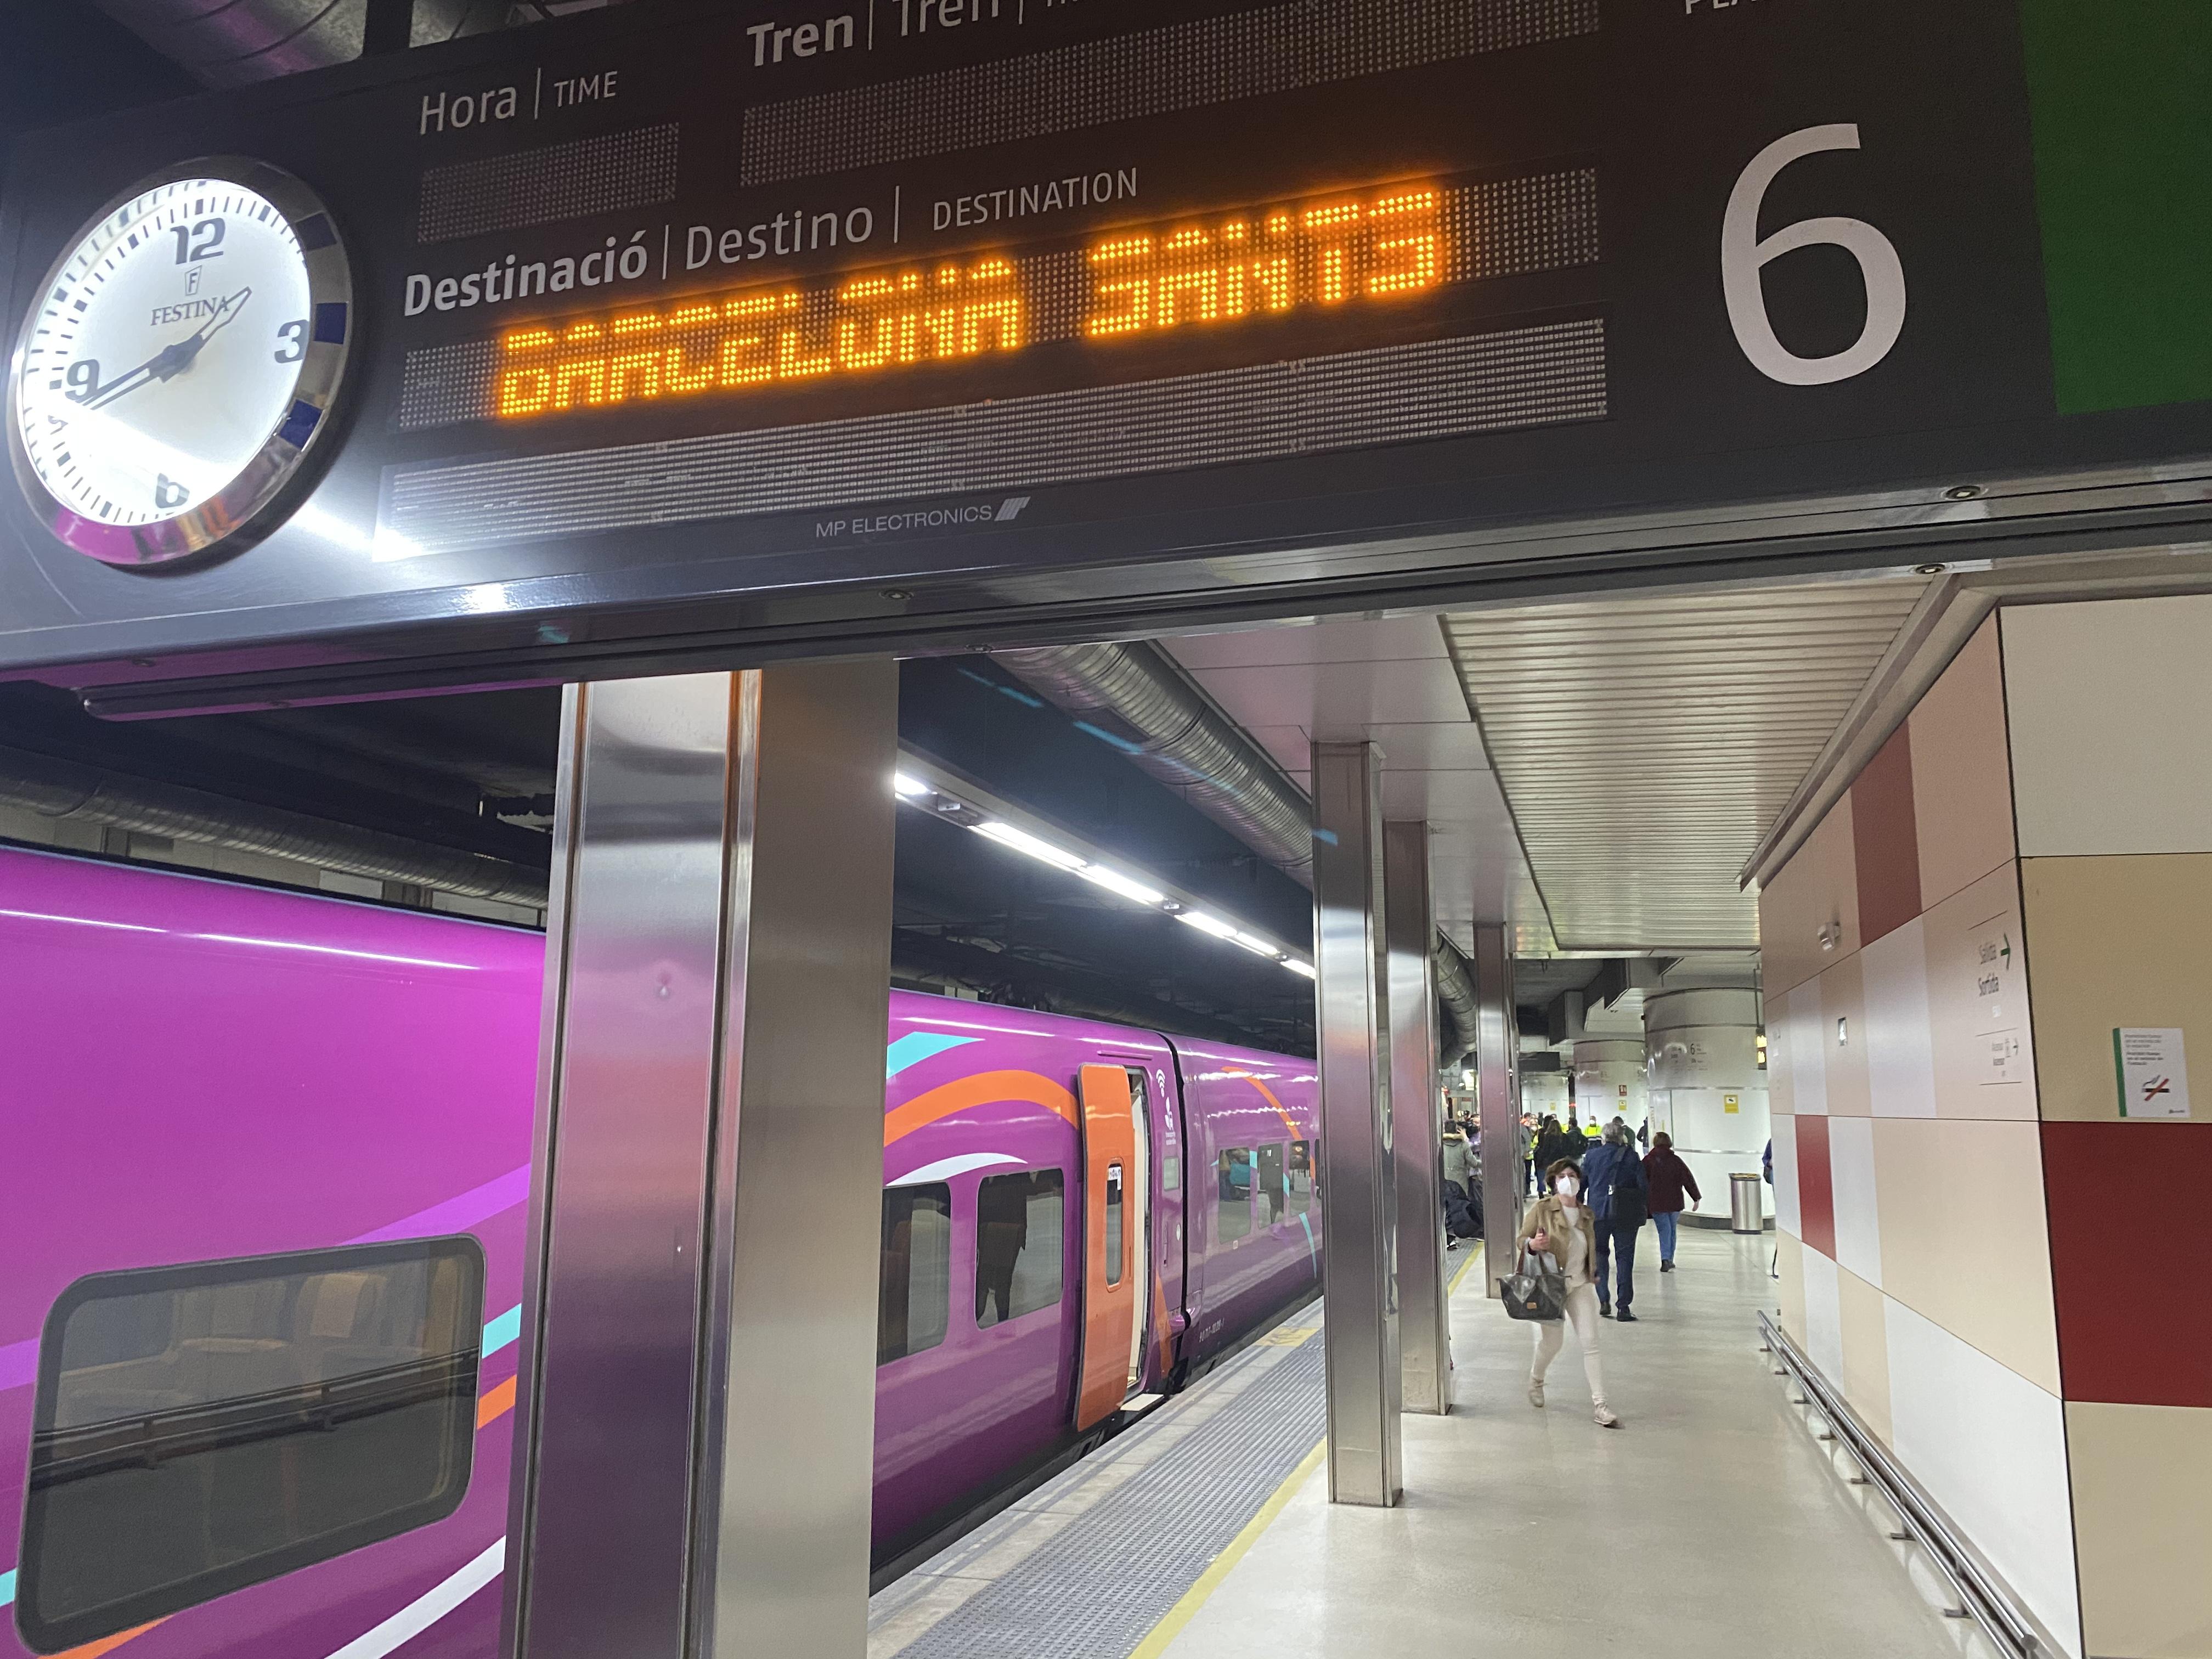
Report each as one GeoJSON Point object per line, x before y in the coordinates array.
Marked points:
{"type": "Point", "coordinates": [247, 508]}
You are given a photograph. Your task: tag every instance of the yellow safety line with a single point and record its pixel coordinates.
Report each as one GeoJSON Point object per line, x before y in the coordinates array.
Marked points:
{"type": "Point", "coordinates": [1452, 1289]}
{"type": "Point", "coordinates": [1194, 1598]}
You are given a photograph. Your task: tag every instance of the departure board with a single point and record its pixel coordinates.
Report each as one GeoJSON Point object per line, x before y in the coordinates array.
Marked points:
{"type": "Point", "coordinates": [686, 328]}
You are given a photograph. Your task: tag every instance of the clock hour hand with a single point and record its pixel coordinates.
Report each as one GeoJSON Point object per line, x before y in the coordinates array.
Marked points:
{"type": "Point", "coordinates": [171, 360]}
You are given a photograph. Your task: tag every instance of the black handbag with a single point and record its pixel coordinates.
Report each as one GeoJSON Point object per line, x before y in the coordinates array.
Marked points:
{"type": "Point", "coordinates": [1536, 1289]}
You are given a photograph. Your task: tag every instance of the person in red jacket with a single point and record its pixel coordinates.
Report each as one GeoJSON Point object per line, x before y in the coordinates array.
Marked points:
{"type": "Point", "coordinates": [1669, 1178]}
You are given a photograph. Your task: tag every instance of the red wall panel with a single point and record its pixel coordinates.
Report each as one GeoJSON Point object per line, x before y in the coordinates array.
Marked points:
{"type": "Point", "coordinates": [2132, 1331]}
{"type": "Point", "coordinates": [1816, 1187]}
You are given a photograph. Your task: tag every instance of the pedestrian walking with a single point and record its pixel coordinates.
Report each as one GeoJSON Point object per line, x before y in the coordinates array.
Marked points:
{"type": "Point", "coordinates": [1526, 1140]}
{"type": "Point", "coordinates": [1667, 1178]}
{"type": "Point", "coordinates": [1620, 1201]}
{"type": "Point", "coordinates": [1560, 1225]}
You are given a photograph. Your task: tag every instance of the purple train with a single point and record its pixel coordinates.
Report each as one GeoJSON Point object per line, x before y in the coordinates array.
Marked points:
{"type": "Point", "coordinates": [267, 1159]}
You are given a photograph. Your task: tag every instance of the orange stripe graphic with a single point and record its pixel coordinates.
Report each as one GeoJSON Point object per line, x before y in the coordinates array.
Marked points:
{"type": "Point", "coordinates": [496, 1404]}
{"type": "Point", "coordinates": [983, 1088]}
{"type": "Point", "coordinates": [94, 1650]}
{"type": "Point", "coordinates": [1289, 1122]}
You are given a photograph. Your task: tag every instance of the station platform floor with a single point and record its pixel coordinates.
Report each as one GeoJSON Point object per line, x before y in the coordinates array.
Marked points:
{"type": "Point", "coordinates": [1711, 1523]}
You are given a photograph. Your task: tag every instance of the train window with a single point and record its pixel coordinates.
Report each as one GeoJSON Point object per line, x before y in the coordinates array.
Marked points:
{"type": "Point", "coordinates": [1271, 1184]}
{"type": "Point", "coordinates": [1297, 1180]}
{"type": "Point", "coordinates": [201, 1428]}
{"type": "Point", "coordinates": [1020, 1244]}
{"type": "Point", "coordinates": [1233, 1197]}
{"type": "Point", "coordinates": [1113, 1223]}
{"type": "Point", "coordinates": [915, 1303]}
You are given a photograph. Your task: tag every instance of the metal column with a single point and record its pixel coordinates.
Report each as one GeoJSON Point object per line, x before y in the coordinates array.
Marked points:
{"type": "Point", "coordinates": [694, 1434]}
{"type": "Point", "coordinates": [1359, 1219]}
{"type": "Point", "coordinates": [1417, 1119]}
{"type": "Point", "coordinates": [1497, 1047]}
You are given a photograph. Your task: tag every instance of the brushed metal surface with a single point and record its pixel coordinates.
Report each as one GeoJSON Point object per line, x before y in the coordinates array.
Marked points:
{"type": "Point", "coordinates": [1359, 1219]}
{"type": "Point", "coordinates": [603, 1557]}
{"type": "Point", "coordinates": [1417, 1119]}
{"type": "Point", "coordinates": [1498, 1103]}
{"type": "Point", "coordinates": [695, 1440]}
{"type": "Point", "coordinates": [788, 1464]}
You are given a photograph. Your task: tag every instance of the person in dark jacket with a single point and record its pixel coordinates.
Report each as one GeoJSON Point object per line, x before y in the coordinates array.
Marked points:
{"type": "Point", "coordinates": [1613, 1177]}
{"type": "Point", "coordinates": [1668, 1178]}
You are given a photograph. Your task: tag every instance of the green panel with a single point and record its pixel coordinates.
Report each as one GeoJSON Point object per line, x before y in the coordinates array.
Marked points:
{"type": "Point", "coordinates": [2122, 94]}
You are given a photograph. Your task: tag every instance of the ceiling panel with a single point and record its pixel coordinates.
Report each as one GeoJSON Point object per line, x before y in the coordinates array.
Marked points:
{"type": "Point", "coordinates": [1644, 742]}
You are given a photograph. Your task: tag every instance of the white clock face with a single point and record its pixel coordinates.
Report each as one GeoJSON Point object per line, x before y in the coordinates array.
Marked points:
{"type": "Point", "coordinates": [164, 353]}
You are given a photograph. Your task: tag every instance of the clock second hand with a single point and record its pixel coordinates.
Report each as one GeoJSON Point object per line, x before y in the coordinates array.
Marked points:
{"type": "Point", "coordinates": [174, 358]}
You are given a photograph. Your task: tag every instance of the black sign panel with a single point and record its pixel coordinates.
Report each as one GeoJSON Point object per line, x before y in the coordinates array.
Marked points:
{"type": "Point", "coordinates": [910, 320]}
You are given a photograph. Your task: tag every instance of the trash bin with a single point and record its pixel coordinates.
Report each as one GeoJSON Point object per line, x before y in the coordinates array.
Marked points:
{"type": "Point", "coordinates": [1744, 1205]}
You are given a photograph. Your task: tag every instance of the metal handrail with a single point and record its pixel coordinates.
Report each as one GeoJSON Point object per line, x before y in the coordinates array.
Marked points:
{"type": "Point", "coordinates": [1981, 1595]}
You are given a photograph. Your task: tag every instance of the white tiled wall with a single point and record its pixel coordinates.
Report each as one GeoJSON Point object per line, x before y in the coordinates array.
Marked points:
{"type": "Point", "coordinates": [1806, 1035]}
{"type": "Point", "coordinates": [1899, 1049]}
{"type": "Point", "coordinates": [1785, 1174]}
{"type": "Point", "coordinates": [1824, 1318]}
{"type": "Point", "coordinates": [1990, 1448]}
{"type": "Point", "coordinates": [1858, 1221]}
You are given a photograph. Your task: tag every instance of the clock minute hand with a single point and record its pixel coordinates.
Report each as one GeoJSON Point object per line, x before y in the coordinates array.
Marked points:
{"type": "Point", "coordinates": [173, 359]}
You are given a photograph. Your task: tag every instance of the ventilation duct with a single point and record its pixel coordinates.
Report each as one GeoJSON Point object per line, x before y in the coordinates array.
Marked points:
{"type": "Point", "coordinates": [71, 792]}
{"type": "Point", "coordinates": [1132, 697]}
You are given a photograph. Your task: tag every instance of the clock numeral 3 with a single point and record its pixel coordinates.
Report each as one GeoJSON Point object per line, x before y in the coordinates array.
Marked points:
{"type": "Point", "coordinates": [168, 492]}
{"type": "Point", "coordinates": [198, 240]}
{"type": "Point", "coordinates": [294, 335]}
{"type": "Point", "coordinates": [83, 378]}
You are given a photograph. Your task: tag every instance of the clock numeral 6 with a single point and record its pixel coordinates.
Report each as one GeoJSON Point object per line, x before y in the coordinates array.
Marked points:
{"type": "Point", "coordinates": [168, 492]}
{"type": "Point", "coordinates": [198, 240]}
{"type": "Point", "coordinates": [83, 377]}
{"type": "Point", "coordinates": [294, 335]}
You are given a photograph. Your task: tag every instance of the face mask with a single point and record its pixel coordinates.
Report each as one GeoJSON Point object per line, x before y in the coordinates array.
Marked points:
{"type": "Point", "coordinates": [1568, 1188]}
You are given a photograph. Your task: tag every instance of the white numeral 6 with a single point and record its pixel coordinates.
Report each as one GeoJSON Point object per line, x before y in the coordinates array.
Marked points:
{"type": "Point", "coordinates": [1743, 256]}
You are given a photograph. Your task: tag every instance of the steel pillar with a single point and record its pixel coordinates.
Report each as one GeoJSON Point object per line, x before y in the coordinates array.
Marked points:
{"type": "Point", "coordinates": [1417, 1119]}
{"type": "Point", "coordinates": [1358, 1218]}
{"type": "Point", "coordinates": [1497, 1048]}
{"type": "Point", "coordinates": [694, 1432]}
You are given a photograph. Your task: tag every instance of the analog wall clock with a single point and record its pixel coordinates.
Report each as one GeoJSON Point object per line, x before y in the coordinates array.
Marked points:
{"type": "Point", "coordinates": [179, 365]}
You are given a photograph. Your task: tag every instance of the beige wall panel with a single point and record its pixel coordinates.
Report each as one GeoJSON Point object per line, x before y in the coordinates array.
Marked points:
{"type": "Point", "coordinates": [2119, 942]}
{"type": "Point", "coordinates": [1781, 1079]}
{"type": "Point", "coordinates": [1978, 1001]}
{"type": "Point", "coordinates": [2142, 1527]}
{"type": "Point", "coordinates": [1961, 772]}
{"type": "Point", "coordinates": [2101, 697]}
{"type": "Point", "coordinates": [1843, 997]}
{"type": "Point", "coordinates": [1866, 1351]}
{"type": "Point", "coordinates": [1963, 1236]}
{"type": "Point", "coordinates": [1817, 888]}
{"type": "Point", "coordinates": [1789, 1263]}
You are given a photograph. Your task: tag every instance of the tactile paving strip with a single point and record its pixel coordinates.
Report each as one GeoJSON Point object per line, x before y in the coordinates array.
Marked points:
{"type": "Point", "coordinates": [1096, 1587]}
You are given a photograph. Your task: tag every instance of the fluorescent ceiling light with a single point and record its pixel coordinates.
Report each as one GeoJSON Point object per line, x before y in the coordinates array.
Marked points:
{"type": "Point", "coordinates": [1206, 924]}
{"type": "Point", "coordinates": [1006, 836]}
{"type": "Point", "coordinates": [1305, 968]}
{"type": "Point", "coordinates": [1115, 882]}
{"type": "Point", "coordinates": [908, 787]}
{"type": "Point", "coordinates": [1257, 945]}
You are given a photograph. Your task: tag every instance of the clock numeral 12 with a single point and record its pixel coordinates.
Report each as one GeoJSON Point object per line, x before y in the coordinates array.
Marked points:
{"type": "Point", "coordinates": [198, 241]}
{"type": "Point", "coordinates": [168, 492]}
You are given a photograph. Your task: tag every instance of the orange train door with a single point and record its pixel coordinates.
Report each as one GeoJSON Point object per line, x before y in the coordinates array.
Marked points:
{"type": "Point", "coordinates": [1113, 1184]}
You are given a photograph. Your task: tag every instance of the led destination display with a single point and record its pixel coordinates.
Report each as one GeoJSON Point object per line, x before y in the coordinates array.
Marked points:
{"type": "Point", "coordinates": [1384, 248]}
{"type": "Point", "coordinates": [739, 318]}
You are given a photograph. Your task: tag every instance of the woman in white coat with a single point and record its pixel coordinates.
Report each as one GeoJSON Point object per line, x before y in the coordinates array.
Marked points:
{"type": "Point", "coordinates": [1560, 1222]}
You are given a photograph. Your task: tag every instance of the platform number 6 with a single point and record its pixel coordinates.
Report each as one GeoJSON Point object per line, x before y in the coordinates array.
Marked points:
{"type": "Point", "coordinates": [1743, 256]}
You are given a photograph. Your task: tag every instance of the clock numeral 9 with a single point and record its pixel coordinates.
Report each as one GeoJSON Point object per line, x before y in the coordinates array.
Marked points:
{"type": "Point", "coordinates": [294, 335]}
{"type": "Point", "coordinates": [198, 241]}
{"type": "Point", "coordinates": [83, 378]}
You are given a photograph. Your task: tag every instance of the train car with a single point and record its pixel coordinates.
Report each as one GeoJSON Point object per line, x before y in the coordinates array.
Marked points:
{"type": "Point", "coordinates": [263, 1219]}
